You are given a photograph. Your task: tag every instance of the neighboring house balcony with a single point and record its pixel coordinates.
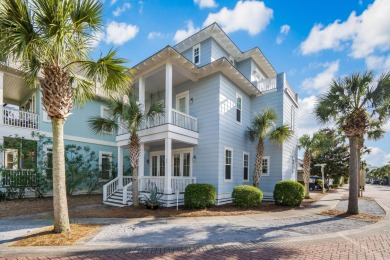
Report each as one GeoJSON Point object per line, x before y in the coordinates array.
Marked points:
{"type": "Point", "coordinates": [273, 83]}
{"type": "Point", "coordinates": [18, 104]}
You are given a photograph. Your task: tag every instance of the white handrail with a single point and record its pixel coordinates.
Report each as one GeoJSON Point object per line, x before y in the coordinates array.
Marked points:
{"type": "Point", "coordinates": [18, 177]}
{"type": "Point", "coordinates": [184, 120]}
{"type": "Point", "coordinates": [110, 188]}
{"type": "Point", "coordinates": [180, 183]}
{"type": "Point", "coordinates": [13, 117]}
{"type": "Point", "coordinates": [126, 193]}
{"type": "Point", "coordinates": [267, 84]}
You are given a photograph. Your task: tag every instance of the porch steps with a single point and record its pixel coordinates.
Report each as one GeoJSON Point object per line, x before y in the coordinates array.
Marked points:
{"type": "Point", "coordinates": [116, 199]}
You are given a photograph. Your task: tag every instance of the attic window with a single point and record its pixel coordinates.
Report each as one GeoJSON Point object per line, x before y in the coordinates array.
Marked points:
{"type": "Point", "coordinates": [196, 54]}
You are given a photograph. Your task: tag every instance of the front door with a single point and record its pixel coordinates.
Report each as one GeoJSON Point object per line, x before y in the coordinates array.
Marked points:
{"type": "Point", "coordinates": [158, 165]}
{"type": "Point", "coordinates": [182, 100]}
{"type": "Point", "coordinates": [181, 164]}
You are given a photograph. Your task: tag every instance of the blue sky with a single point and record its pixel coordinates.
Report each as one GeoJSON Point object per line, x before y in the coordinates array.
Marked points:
{"type": "Point", "coordinates": [311, 42]}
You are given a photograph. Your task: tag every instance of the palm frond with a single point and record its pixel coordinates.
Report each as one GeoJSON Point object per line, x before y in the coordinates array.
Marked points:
{"type": "Point", "coordinates": [84, 89]}
{"type": "Point", "coordinates": [304, 142]}
{"type": "Point", "coordinates": [281, 134]}
{"type": "Point", "coordinates": [100, 125]}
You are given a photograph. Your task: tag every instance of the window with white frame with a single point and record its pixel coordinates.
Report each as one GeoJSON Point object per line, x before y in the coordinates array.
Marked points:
{"type": "Point", "coordinates": [292, 118]}
{"type": "Point", "coordinates": [105, 165]}
{"type": "Point", "coordinates": [196, 54]}
{"type": "Point", "coordinates": [246, 166]}
{"type": "Point", "coordinates": [238, 108]}
{"type": "Point", "coordinates": [105, 113]}
{"type": "Point", "coordinates": [48, 166]}
{"type": "Point", "coordinates": [228, 164]}
{"type": "Point", "coordinates": [265, 165]}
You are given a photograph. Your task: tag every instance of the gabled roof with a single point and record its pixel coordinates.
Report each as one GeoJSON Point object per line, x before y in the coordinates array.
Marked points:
{"type": "Point", "coordinates": [156, 61]}
{"type": "Point", "coordinates": [220, 36]}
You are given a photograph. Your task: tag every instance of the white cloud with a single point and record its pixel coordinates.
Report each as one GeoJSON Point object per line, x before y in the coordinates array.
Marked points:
{"type": "Point", "coordinates": [250, 16]}
{"type": "Point", "coordinates": [380, 63]}
{"type": "Point", "coordinates": [119, 10]}
{"type": "Point", "coordinates": [377, 157]}
{"type": "Point", "coordinates": [155, 35]}
{"type": "Point", "coordinates": [320, 83]}
{"type": "Point", "coordinates": [141, 6]}
{"type": "Point", "coordinates": [183, 34]}
{"type": "Point", "coordinates": [205, 3]}
{"type": "Point", "coordinates": [113, 2]}
{"type": "Point", "coordinates": [284, 30]}
{"type": "Point", "coordinates": [365, 34]}
{"type": "Point", "coordinates": [116, 33]}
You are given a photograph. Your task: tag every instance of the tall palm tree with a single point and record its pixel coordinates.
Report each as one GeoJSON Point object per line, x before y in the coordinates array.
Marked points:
{"type": "Point", "coordinates": [130, 116]}
{"type": "Point", "coordinates": [311, 144]}
{"type": "Point", "coordinates": [263, 126]}
{"type": "Point", "coordinates": [359, 106]}
{"type": "Point", "coordinates": [52, 41]}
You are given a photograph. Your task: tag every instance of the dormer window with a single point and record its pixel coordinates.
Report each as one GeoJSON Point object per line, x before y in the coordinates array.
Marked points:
{"type": "Point", "coordinates": [196, 54]}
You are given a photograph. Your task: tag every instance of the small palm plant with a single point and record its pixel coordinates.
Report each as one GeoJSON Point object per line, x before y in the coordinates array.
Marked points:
{"type": "Point", "coordinates": [51, 40]}
{"type": "Point", "coordinates": [263, 126]}
{"type": "Point", "coordinates": [131, 116]}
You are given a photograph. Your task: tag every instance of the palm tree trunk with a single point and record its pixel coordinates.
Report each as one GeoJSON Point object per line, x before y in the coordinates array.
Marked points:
{"type": "Point", "coordinates": [134, 187]}
{"type": "Point", "coordinates": [61, 218]}
{"type": "Point", "coordinates": [258, 163]}
{"type": "Point", "coordinates": [353, 207]}
{"type": "Point", "coordinates": [306, 171]}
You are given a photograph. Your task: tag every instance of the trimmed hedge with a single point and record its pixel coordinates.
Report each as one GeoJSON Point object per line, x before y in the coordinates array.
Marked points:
{"type": "Point", "coordinates": [199, 196]}
{"type": "Point", "coordinates": [245, 196]}
{"type": "Point", "coordinates": [289, 193]}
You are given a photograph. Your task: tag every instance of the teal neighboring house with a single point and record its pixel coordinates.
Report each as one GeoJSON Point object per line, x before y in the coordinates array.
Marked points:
{"type": "Point", "coordinates": [211, 90]}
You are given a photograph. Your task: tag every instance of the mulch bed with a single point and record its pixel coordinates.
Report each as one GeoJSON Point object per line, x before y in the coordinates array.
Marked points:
{"type": "Point", "coordinates": [91, 206]}
{"type": "Point", "coordinates": [343, 214]}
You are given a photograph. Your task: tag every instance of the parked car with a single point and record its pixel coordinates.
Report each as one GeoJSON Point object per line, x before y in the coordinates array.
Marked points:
{"type": "Point", "coordinates": [376, 182]}
{"type": "Point", "coordinates": [313, 185]}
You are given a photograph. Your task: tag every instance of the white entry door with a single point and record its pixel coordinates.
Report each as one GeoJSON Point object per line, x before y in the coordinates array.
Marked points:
{"type": "Point", "coordinates": [181, 164]}
{"type": "Point", "coordinates": [182, 102]}
{"type": "Point", "coordinates": [157, 165]}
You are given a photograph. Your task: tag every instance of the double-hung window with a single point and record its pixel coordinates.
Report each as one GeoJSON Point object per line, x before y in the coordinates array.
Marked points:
{"type": "Point", "coordinates": [105, 161]}
{"type": "Point", "coordinates": [196, 54]}
{"type": "Point", "coordinates": [246, 166]}
{"type": "Point", "coordinates": [228, 164]}
{"type": "Point", "coordinates": [238, 108]}
{"type": "Point", "coordinates": [265, 165]}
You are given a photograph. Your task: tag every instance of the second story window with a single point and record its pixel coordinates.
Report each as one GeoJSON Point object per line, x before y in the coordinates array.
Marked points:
{"type": "Point", "coordinates": [196, 54]}
{"type": "Point", "coordinates": [238, 108]}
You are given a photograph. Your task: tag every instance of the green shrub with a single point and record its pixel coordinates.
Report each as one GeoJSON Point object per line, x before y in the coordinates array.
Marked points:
{"type": "Point", "coordinates": [289, 193]}
{"type": "Point", "coordinates": [199, 196]}
{"type": "Point", "coordinates": [245, 196]}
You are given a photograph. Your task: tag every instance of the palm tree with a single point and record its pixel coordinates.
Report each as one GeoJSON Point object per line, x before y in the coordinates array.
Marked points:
{"type": "Point", "coordinates": [311, 144]}
{"type": "Point", "coordinates": [359, 106]}
{"type": "Point", "coordinates": [130, 116]}
{"type": "Point", "coordinates": [52, 41]}
{"type": "Point", "coordinates": [263, 126]}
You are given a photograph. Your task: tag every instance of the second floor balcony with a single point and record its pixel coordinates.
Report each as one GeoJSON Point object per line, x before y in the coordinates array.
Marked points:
{"type": "Point", "coordinates": [18, 118]}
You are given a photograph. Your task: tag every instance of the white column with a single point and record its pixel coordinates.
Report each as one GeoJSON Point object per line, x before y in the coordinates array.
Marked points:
{"type": "Point", "coordinates": [141, 92]}
{"type": "Point", "coordinates": [120, 167]}
{"type": "Point", "coordinates": [168, 93]}
{"type": "Point", "coordinates": [168, 166]}
{"type": "Point", "coordinates": [141, 162]}
{"type": "Point", "coordinates": [1, 153]}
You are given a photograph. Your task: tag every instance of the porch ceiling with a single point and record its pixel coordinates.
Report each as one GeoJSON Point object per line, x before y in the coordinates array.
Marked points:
{"type": "Point", "coordinates": [15, 89]}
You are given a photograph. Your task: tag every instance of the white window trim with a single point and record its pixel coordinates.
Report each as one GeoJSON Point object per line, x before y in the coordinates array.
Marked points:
{"type": "Point", "coordinates": [231, 164]}
{"type": "Point", "coordinates": [181, 151]}
{"type": "Point", "coordinates": [102, 109]}
{"type": "Point", "coordinates": [101, 161]}
{"type": "Point", "coordinates": [193, 56]}
{"type": "Point", "coordinates": [45, 150]}
{"type": "Point", "coordinates": [243, 165]}
{"type": "Point", "coordinates": [238, 122]}
{"type": "Point", "coordinates": [45, 116]}
{"type": "Point", "coordinates": [268, 168]}
{"type": "Point", "coordinates": [185, 94]}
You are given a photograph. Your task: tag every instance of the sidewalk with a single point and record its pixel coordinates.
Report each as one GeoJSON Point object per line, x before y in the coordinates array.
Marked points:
{"type": "Point", "coordinates": [287, 234]}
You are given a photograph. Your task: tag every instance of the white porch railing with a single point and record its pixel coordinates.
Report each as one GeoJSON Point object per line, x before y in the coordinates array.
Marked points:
{"type": "Point", "coordinates": [126, 194]}
{"type": "Point", "coordinates": [13, 117]}
{"type": "Point", "coordinates": [110, 188]}
{"type": "Point", "coordinates": [18, 177]}
{"type": "Point", "coordinates": [183, 120]}
{"type": "Point", "coordinates": [267, 84]}
{"type": "Point", "coordinates": [180, 183]}
{"type": "Point", "coordinates": [146, 183]}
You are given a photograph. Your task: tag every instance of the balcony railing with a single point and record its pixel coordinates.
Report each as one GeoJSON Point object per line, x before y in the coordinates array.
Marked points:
{"type": "Point", "coordinates": [13, 117]}
{"type": "Point", "coordinates": [146, 183]}
{"type": "Point", "coordinates": [267, 84]}
{"type": "Point", "coordinates": [18, 178]}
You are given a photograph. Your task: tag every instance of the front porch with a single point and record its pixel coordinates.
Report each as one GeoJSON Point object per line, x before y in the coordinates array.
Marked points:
{"type": "Point", "coordinates": [118, 192]}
